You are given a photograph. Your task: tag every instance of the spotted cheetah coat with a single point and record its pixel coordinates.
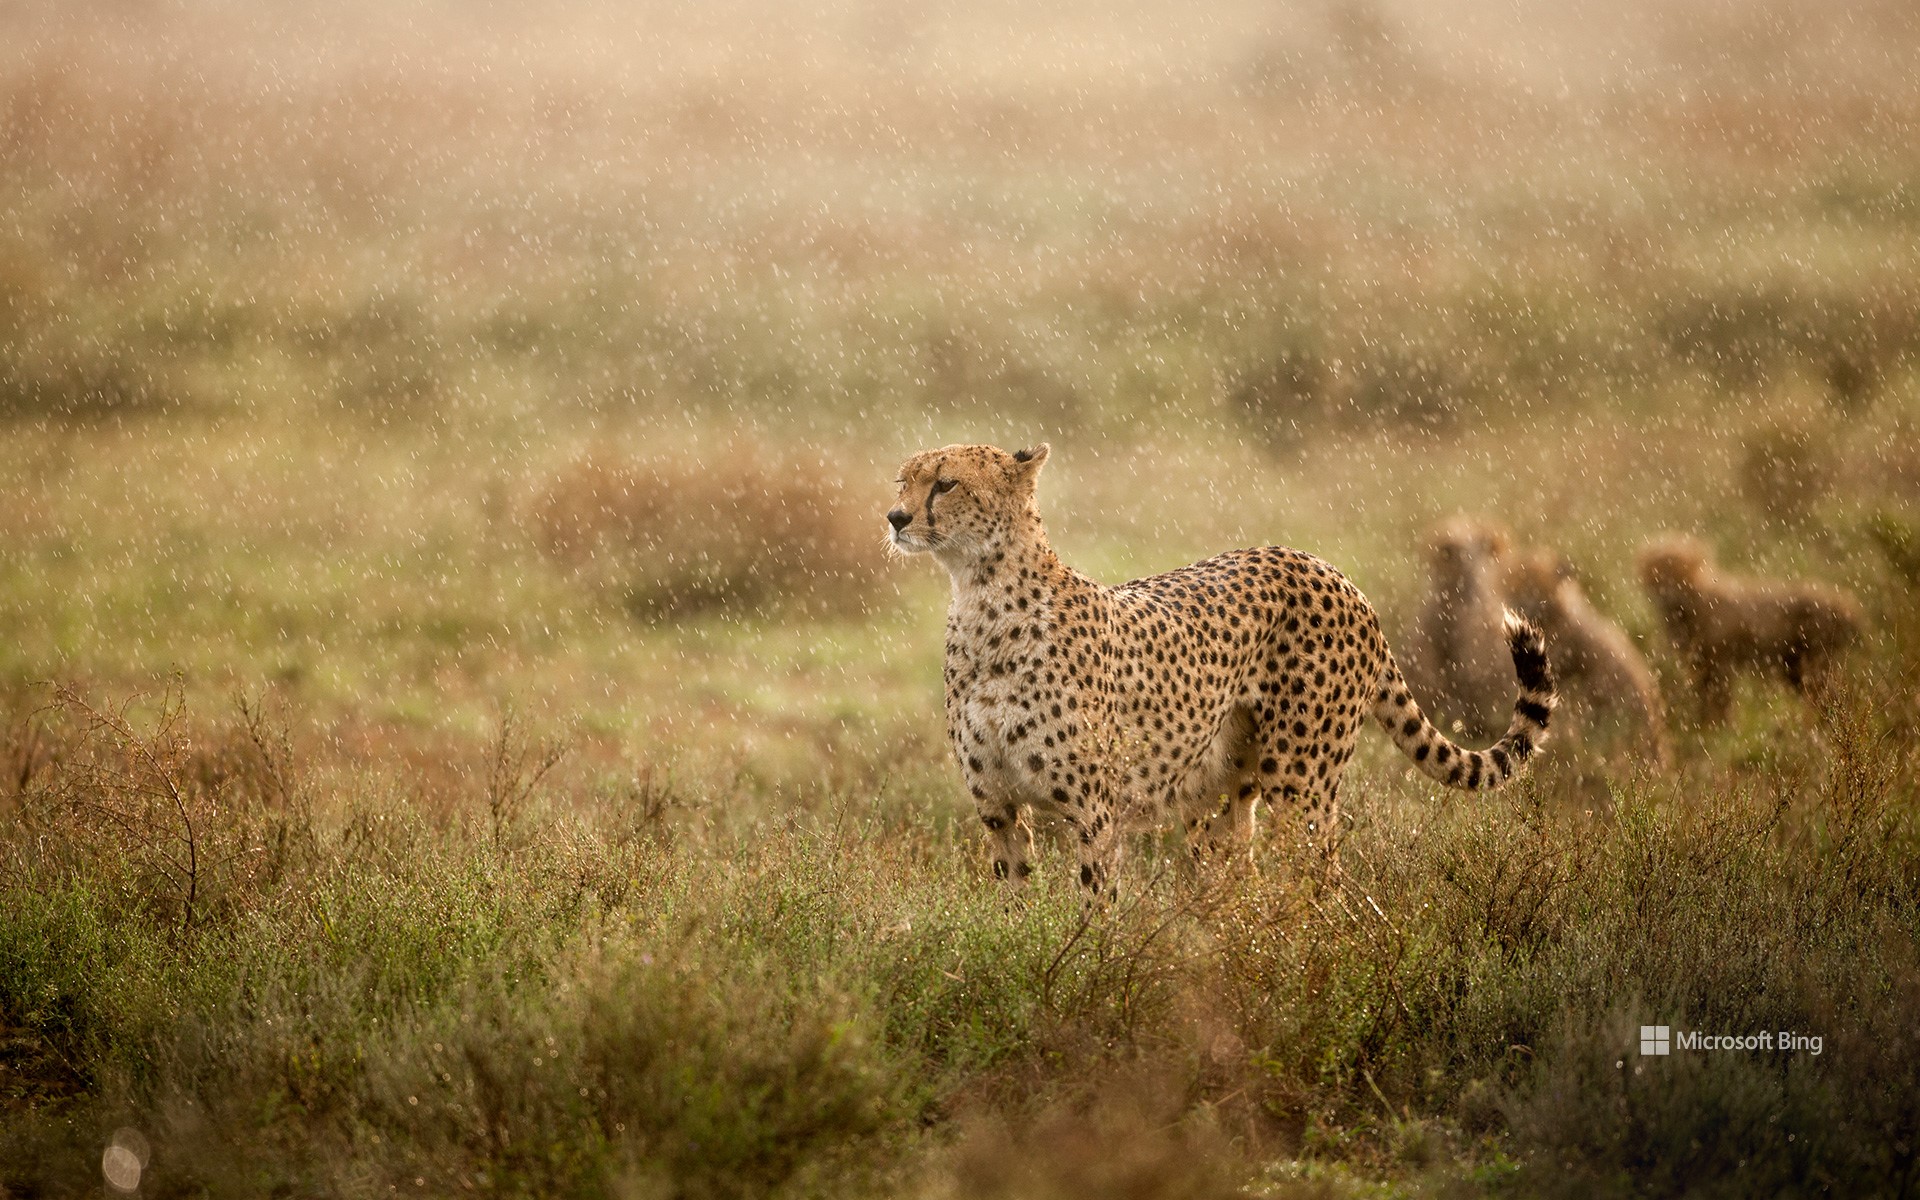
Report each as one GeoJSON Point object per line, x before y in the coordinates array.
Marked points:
{"type": "Point", "coordinates": [1195, 694]}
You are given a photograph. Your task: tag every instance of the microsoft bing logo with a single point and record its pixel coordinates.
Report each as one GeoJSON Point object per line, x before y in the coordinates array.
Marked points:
{"type": "Point", "coordinates": [1661, 1040]}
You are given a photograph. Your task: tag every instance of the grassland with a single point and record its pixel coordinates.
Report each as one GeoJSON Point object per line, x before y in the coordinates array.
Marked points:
{"type": "Point", "coordinates": [462, 733]}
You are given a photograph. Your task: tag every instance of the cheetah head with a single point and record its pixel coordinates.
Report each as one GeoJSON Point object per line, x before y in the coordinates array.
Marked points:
{"type": "Point", "coordinates": [1534, 579]}
{"type": "Point", "coordinates": [1673, 565]}
{"type": "Point", "coordinates": [1463, 546]}
{"type": "Point", "coordinates": [954, 500]}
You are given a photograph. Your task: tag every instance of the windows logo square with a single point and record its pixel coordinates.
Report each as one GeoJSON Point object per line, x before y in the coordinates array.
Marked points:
{"type": "Point", "coordinates": [1656, 1039]}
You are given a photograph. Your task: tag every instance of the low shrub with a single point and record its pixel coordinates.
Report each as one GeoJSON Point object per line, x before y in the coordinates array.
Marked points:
{"type": "Point", "coordinates": [1411, 385]}
{"type": "Point", "coordinates": [739, 526]}
{"type": "Point", "coordinates": [423, 1005]}
{"type": "Point", "coordinates": [1786, 471]}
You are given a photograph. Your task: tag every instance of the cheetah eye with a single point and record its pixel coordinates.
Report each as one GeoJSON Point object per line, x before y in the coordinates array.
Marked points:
{"type": "Point", "coordinates": [942, 486]}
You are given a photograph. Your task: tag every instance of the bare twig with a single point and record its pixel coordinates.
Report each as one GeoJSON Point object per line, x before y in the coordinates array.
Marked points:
{"type": "Point", "coordinates": [152, 767]}
{"type": "Point", "coordinates": [518, 765]}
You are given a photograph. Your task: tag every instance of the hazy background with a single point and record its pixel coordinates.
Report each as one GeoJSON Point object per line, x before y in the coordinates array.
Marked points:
{"type": "Point", "coordinates": [334, 340]}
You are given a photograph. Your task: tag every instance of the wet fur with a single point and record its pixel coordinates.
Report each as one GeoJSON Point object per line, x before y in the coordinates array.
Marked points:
{"type": "Point", "coordinates": [1723, 624]}
{"type": "Point", "coordinates": [1458, 651]}
{"type": "Point", "coordinates": [1595, 663]}
{"type": "Point", "coordinates": [1189, 696]}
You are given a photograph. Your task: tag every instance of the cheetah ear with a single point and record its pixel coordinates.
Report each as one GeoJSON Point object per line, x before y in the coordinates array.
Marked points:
{"type": "Point", "coordinates": [1027, 462]}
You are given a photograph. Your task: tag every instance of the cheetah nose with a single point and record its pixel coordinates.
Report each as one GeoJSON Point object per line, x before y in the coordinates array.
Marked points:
{"type": "Point", "coordinates": [899, 518]}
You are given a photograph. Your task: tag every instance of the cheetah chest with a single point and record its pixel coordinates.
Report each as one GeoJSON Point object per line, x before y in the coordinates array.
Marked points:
{"type": "Point", "coordinates": [1010, 716]}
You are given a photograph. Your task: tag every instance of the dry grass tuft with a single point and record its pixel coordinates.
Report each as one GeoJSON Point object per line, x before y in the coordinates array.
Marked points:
{"type": "Point", "coordinates": [1131, 1141]}
{"type": "Point", "coordinates": [198, 824]}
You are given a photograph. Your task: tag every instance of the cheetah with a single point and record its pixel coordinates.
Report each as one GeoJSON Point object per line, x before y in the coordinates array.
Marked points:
{"type": "Point", "coordinates": [1192, 695]}
{"type": "Point", "coordinates": [1457, 657]}
{"type": "Point", "coordinates": [1595, 663]}
{"type": "Point", "coordinates": [1722, 623]}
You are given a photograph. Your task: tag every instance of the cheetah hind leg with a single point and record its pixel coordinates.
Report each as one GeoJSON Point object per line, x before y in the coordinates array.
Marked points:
{"type": "Point", "coordinates": [1219, 815]}
{"type": "Point", "coordinates": [1221, 834]}
{"type": "Point", "coordinates": [1310, 822]}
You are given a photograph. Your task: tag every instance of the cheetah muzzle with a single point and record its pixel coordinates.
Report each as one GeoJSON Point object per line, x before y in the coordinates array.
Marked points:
{"type": "Point", "coordinates": [1195, 694]}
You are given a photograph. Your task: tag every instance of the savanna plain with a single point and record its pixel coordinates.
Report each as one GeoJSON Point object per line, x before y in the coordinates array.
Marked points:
{"type": "Point", "coordinates": [462, 732]}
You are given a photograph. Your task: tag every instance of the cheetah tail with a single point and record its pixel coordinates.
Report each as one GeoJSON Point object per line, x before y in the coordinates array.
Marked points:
{"type": "Point", "coordinates": [1475, 770]}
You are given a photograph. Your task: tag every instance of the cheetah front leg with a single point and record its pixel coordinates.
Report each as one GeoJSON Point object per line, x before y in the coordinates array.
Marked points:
{"type": "Point", "coordinates": [1713, 689]}
{"type": "Point", "coordinates": [1009, 841]}
{"type": "Point", "coordinates": [1093, 823]}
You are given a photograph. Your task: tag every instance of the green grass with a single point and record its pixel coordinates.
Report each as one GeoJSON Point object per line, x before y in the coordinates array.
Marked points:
{"type": "Point", "coordinates": [388, 986]}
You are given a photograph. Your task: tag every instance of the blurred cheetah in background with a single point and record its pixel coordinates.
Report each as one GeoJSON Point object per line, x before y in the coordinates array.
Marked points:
{"type": "Point", "coordinates": [1599, 671]}
{"type": "Point", "coordinates": [1723, 623]}
{"type": "Point", "coordinates": [1457, 655]}
{"type": "Point", "coordinates": [1195, 693]}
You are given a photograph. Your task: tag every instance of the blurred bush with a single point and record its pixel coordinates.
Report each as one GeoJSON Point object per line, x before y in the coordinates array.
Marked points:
{"type": "Point", "coordinates": [737, 526]}
{"type": "Point", "coordinates": [1786, 471]}
{"type": "Point", "coordinates": [1408, 385]}
{"type": "Point", "coordinates": [1281, 397]}
{"type": "Point", "coordinates": [1898, 539]}
{"type": "Point", "coordinates": [973, 376]}
{"type": "Point", "coordinates": [1745, 333]}
{"type": "Point", "coordinates": [385, 355]}
{"type": "Point", "coordinates": [55, 363]}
